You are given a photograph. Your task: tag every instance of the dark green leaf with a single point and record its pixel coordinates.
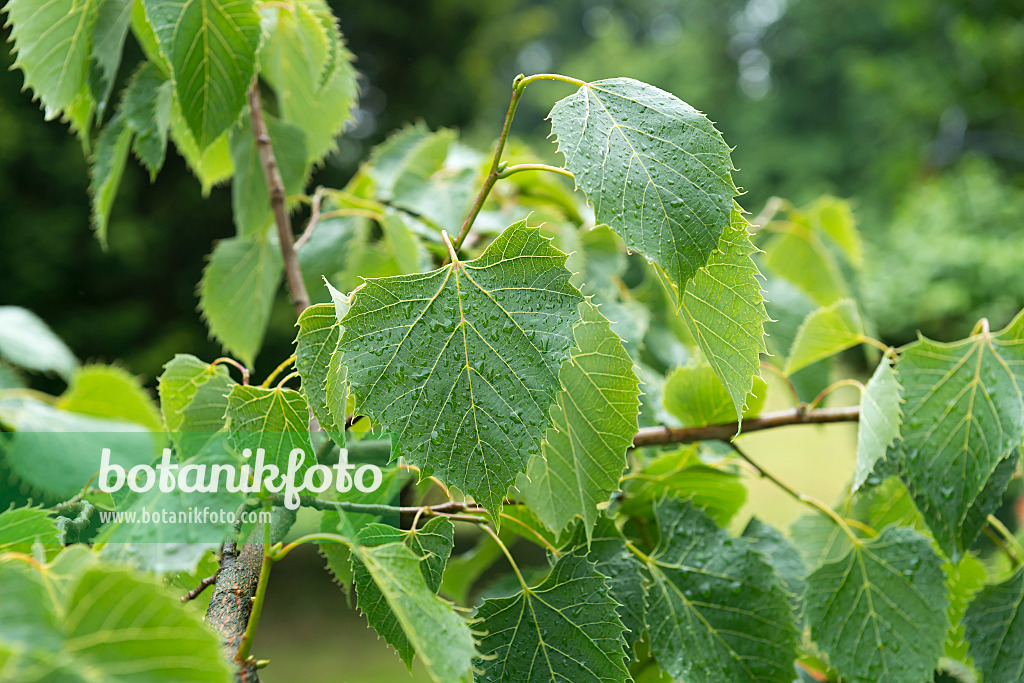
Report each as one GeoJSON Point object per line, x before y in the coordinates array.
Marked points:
{"type": "Point", "coordinates": [994, 628]}
{"type": "Point", "coordinates": [106, 170]}
{"type": "Point", "coordinates": [146, 106]}
{"type": "Point", "coordinates": [109, 33]}
{"type": "Point", "coordinates": [276, 420]}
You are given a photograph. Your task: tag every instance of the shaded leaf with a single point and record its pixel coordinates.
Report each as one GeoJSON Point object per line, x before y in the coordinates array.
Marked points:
{"type": "Point", "coordinates": [696, 397]}
{"type": "Point", "coordinates": [106, 170]}
{"type": "Point", "coordinates": [315, 347]}
{"type": "Point", "coordinates": [994, 628]}
{"type": "Point", "coordinates": [250, 199]}
{"type": "Point", "coordinates": [28, 342]}
{"type": "Point", "coordinates": [112, 20]}
{"type": "Point", "coordinates": [824, 333]}
{"type": "Point", "coordinates": [146, 106]}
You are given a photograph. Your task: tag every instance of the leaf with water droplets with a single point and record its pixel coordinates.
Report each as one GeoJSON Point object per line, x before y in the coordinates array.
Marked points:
{"type": "Point", "coordinates": [879, 612]}
{"type": "Point", "coordinates": [315, 347]}
{"type": "Point", "coordinates": [994, 629]}
{"type": "Point", "coordinates": [594, 420]}
{"type": "Point", "coordinates": [462, 363]}
{"type": "Point", "coordinates": [565, 629]}
{"type": "Point", "coordinates": [964, 418]}
{"type": "Point", "coordinates": [656, 170]}
{"type": "Point", "coordinates": [718, 612]}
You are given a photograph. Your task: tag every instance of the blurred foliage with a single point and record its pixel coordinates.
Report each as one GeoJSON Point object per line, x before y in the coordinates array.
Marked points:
{"type": "Point", "coordinates": [915, 108]}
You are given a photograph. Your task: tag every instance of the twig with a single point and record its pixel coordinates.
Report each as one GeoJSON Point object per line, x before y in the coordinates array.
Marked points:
{"type": "Point", "coordinates": [195, 592]}
{"type": "Point", "coordinates": [275, 187]}
{"type": "Point", "coordinates": [314, 218]}
{"type": "Point", "coordinates": [656, 436]}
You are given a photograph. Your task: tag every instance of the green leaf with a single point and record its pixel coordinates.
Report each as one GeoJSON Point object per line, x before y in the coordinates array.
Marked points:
{"type": "Point", "coordinates": [781, 555]}
{"type": "Point", "coordinates": [28, 342]}
{"type": "Point", "coordinates": [276, 420]}
{"type": "Point", "coordinates": [835, 218]}
{"type": "Point", "coordinates": [880, 418]}
{"type": "Point", "coordinates": [963, 417]}
{"type": "Point", "coordinates": [412, 151]}
{"type": "Point", "coordinates": [879, 612]}
{"type": "Point", "coordinates": [250, 199]}
{"type": "Point", "coordinates": [104, 621]}
{"type": "Point", "coordinates": [53, 44]}
{"type": "Point", "coordinates": [212, 164]}
{"type": "Point", "coordinates": [819, 540]}
{"type": "Point", "coordinates": [566, 628]}
{"type": "Point", "coordinates": [146, 106]}
{"type": "Point", "coordinates": [438, 359]}
{"type": "Point", "coordinates": [656, 170]}
{"type": "Point", "coordinates": [109, 33]}
{"type": "Point", "coordinates": [432, 543]}
{"type": "Point", "coordinates": [106, 170]}
{"type": "Point", "coordinates": [724, 310]}
{"type": "Point", "coordinates": [824, 333]}
{"type": "Point", "coordinates": [111, 392]}
{"type": "Point", "coordinates": [594, 419]}
{"type": "Point", "coordinates": [237, 292]}
{"type": "Point", "coordinates": [307, 64]}
{"type": "Point", "coordinates": [337, 371]}
{"type": "Point", "coordinates": [439, 636]}
{"type": "Point", "coordinates": [798, 255]}
{"type": "Point", "coordinates": [315, 347]}
{"type": "Point", "coordinates": [718, 612]}
{"type": "Point", "coordinates": [178, 383]}
{"type": "Point", "coordinates": [211, 48]}
{"type": "Point", "coordinates": [964, 579]}
{"type": "Point", "coordinates": [21, 528]}
{"type": "Point", "coordinates": [788, 306]}
{"type": "Point", "coordinates": [994, 628]}
{"type": "Point", "coordinates": [696, 397]}
{"type": "Point", "coordinates": [717, 491]}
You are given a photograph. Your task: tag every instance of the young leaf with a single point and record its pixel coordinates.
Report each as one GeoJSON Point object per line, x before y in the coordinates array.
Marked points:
{"type": "Point", "coordinates": [879, 612]}
{"type": "Point", "coordinates": [210, 165]}
{"type": "Point", "coordinates": [178, 383]}
{"type": "Point", "coordinates": [276, 420]}
{"type": "Point", "coordinates": [432, 543]}
{"type": "Point", "coordinates": [824, 333]}
{"type": "Point", "coordinates": [211, 48]}
{"type": "Point", "coordinates": [111, 392]}
{"type": "Point", "coordinates": [109, 33]}
{"type": "Point", "coordinates": [718, 612]}
{"type": "Point", "coordinates": [438, 635]}
{"type": "Point", "coordinates": [105, 173]}
{"type": "Point", "coordinates": [696, 397]}
{"type": "Point", "coordinates": [237, 292]}
{"type": "Point", "coordinates": [250, 199]}
{"type": "Point", "coordinates": [724, 310]}
{"type": "Point", "coordinates": [53, 44]}
{"type": "Point", "coordinates": [798, 255]}
{"type": "Point", "coordinates": [880, 418]}
{"type": "Point", "coordinates": [566, 628]}
{"type": "Point", "coordinates": [28, 342]}
{"type": "Point", "coordinates": [146, 106]}
{"type": "Point", "coordinates": [656, 170]}
{"type": "Point", "coordinates": [315, 346]}
{"type": "Point", "coordinates": [994, 629]}
{"type": "Point", "coordinates": [462, 363]}
{"type": "Point", "coordinates": [963, 417]}
{"type": "Point", "coordinates": [594, 419]}
{"type": "Point", "coordinates": [307, 64]}
{"type": "Point", "coordinates": [21, 528]}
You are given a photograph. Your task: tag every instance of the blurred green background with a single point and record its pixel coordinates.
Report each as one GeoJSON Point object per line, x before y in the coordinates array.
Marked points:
{"type": "Point", "coordinates": [912, 108]}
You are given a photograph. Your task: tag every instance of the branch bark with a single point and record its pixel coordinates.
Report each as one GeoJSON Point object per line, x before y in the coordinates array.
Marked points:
{"type": "Point", "coordinates": [657, 436]}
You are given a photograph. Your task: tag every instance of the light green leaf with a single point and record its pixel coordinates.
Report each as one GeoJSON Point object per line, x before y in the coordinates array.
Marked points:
{"type": "Point", "coordinates": [656, 170]}
{"type": "Point", "coordinates": [178, 383]}
{"type": "Point", "coordinates": [105, 621]}
{"type": "Point", "coordinates": [438, 635]}
{"type": "Point", "coordinates": [788, 306]}
{"type": "Point", "coordinates": [412, 152]}
{"type": "Point", "coordinates": [109, 33]}
{"type": "Point", "coordinates": [211, 165]}
{"type": "Point", "coordinates": [593, 419]}
{"type": "Point", "coordinates": [250, 199]}
{"type": "Point", "coordinates": [315, 347]}
{"type": "Point", "coordinates": [566, 628]}
{"type": "Point", "coordinates": [824, 333]}
{"type": "Point", "coordinates": [237, 292]}
{"type": "Point", "coordinates": [106, 170]}
{"type": "Point", "coordinates": [964, 579]}
{"type": "Point", "coordinates": [146, 106]}
{"type": "Point", "coordinates": [696, 397]}
{"type": "Point", "coordinates": [53, 44]}
{"type": "Point", "coordinates": [111, 392]}
{"type": "Point", "coordinates": [28, 342]}
{"type": "Point", "coordinates": [461, 363]}
{"type": "Point", "coordinates": [194, 402]}
{"type": "Point", "coordinates": [718, 612]}
{"type": "Point", "coordinates": [718, 491]}
{"type": "Point", "coordinates": [21, 528]}
{"type": "Point", "coordinates": [994, 628]}
{"type": "Point", "coordinates": [307, 64]}
{"type": "Point", "coordinates": [798, 255]}
{"type": "Point", "coordinates": [724, 310]}
{"type": "Point", "coordinates": [963, 417]}
{"type": "Point", "coordinates": [410, 254]}
{"type": "Point", "coordinates": [880, 418]}
{"type": "Point", "coordinates": [432, 544]}
{"type": "Point", "coordinates": [879, 612]}
{"type": "Point", "coordinates": [835, 218]}
{"type": "Point", "coordinates": [276, 420]}
{"type": "Point", "coordinates": [211, 48]}
{"type": "Point", "coordinates": [818, 539]}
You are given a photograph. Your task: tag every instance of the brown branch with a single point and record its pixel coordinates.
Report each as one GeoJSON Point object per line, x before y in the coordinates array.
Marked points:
{"type": "Point", "coordinates": [195, 592]}
{"type": "Point", "coordinates": [657, 436]}
{"type": "Point", "coordinates": [231, 603]}
{"type": "Point", "coordinates": [275, 187]}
